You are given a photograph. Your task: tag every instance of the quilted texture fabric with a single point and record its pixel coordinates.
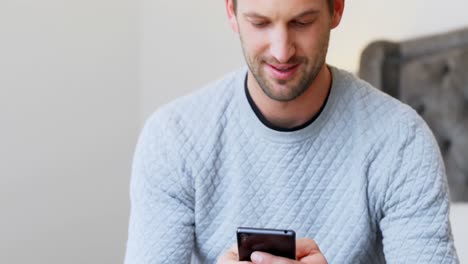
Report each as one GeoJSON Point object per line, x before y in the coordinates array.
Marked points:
{"type": "Point", "coordinates": [365, 179]}
{"type": "Point", "coordinates": [429, 74]}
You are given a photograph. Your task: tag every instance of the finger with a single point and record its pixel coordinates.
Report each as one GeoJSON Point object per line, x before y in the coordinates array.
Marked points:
{"type": "Point", "coordinates": [231, 257]}
{"type": "Point", "coordinates": [306, 247]}
{"type": "Point", "coordinates": [315, 258]}
{"type": "Point", "coordinates": [265, 258]}
{"type": "Point", "coordinates": [234, 249]}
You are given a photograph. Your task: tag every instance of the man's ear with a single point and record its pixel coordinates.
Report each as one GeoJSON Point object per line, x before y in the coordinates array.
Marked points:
{"type": "Point", "coordinates": [337, 12]}
{"type": "Point", "coordinates": [231, 13]}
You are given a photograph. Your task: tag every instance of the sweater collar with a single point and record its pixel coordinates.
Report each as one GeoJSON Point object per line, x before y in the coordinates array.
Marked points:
{"type": "Point", "coordinates": [252, 122]}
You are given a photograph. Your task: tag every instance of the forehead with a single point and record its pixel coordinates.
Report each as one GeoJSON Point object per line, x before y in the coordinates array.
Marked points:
{"type": "Point", "coordinates": [280, 8]}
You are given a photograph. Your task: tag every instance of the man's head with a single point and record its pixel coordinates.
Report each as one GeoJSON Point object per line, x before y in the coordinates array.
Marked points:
{"type": "Point", "coordinates": [330, 5]}
{"type": "Point", "coordinates": [284, 42]}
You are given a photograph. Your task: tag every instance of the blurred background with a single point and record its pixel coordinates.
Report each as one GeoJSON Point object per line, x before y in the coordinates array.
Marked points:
{"type": "Point", "coordinates": [78, 79]}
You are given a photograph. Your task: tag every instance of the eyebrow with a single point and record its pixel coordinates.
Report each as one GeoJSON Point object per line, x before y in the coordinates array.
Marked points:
{"type": "Point", "coordinates": [300, 15]}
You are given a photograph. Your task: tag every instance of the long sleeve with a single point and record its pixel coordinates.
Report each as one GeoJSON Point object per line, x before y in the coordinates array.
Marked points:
{"type": "Point", "coordinates": [161, 228]}
{"type": "Point", "coordinates": [415, 224]}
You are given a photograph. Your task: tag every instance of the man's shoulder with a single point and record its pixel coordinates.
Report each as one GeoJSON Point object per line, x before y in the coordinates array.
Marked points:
{"type": "Point", "coordinates": [363, 94]}
{"type": "Point", "coordinates": [375, 109]}
{"type": "Point", "coordinates": [200, 108]}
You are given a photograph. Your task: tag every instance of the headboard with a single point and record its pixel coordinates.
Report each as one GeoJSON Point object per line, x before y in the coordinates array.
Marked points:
{"type": "Point", "coordinates": [431, 75]}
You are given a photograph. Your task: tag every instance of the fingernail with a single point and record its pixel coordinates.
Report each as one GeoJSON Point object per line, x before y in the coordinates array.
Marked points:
{"type": "Point", "coordinates": [256, 257]}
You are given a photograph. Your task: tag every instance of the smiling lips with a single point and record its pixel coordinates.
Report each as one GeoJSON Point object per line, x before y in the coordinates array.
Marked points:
{"type": "Point", "coordinates": [282, 71]}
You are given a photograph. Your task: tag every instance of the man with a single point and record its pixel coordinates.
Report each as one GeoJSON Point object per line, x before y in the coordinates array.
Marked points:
{"type": "Point", "coordinates": [289, 143]}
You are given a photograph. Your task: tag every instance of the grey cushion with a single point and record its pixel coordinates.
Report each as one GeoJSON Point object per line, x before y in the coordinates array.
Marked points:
{"type": "Point", "coordinates": [431, 75]}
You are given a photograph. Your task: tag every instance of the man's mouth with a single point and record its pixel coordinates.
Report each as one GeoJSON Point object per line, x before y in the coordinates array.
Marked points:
{"type": "Point", "coordinates": [283, 68]}
{"type": "Point", "coordinates": [282, 71]}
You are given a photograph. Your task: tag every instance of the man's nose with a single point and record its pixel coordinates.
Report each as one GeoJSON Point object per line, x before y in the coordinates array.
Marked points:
{"type": "Point", "coordinates": [282, 47]}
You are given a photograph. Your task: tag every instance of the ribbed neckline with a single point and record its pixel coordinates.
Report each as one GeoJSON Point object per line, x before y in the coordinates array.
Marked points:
{"type": "Point", "coordinates": [252, 122]}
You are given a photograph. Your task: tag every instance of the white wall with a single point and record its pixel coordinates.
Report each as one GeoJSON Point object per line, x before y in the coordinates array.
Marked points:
{"type": "Point", "coordinates": [68, 125]}
{"type": "Point", "coordinates": [459, 218]}
{"type": "Point", "coordinates": [185, 44]}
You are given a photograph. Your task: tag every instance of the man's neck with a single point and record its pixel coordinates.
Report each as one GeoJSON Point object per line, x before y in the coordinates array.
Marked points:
{"type": "Point", "coordinates": [298, 111]}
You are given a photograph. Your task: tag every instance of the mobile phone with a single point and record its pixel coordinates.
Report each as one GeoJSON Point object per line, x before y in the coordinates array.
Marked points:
{"type": "Point", "coordinates": [278, 242]}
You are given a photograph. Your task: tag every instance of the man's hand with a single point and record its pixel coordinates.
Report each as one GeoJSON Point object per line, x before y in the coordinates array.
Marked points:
{"type": "Point", "coordinates": [307, 251]}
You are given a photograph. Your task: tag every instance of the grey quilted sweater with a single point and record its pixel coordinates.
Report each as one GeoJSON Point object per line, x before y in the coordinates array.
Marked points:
{"type": "Point", "coordinates": [365, 179]}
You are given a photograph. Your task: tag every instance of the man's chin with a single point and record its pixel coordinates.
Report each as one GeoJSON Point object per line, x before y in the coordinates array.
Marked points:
{"type": "Point", "coordinates": [282, 93]}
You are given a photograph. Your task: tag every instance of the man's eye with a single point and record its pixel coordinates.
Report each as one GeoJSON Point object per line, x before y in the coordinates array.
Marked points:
{"type": "Point", "coordinates": [259, 24]}
{"type": "Point", "coordinates": [301, 23]}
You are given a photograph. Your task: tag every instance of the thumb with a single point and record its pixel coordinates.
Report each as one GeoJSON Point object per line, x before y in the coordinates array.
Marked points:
{"type": "Point", "coordinates": [264, 258]}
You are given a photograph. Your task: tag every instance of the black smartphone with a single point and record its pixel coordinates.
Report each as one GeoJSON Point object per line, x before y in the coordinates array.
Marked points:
{"type": "Point", "coordinates": [277, 242]}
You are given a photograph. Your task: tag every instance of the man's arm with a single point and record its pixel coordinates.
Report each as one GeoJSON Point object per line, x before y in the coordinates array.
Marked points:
{"type": "Point", "coordinates": [161, 228]}
{"type": "Point", "coordinates": [415, 217]}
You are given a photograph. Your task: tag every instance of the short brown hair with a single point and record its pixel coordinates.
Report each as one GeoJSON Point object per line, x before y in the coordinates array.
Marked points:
{"type": "Point", "coordinates": [331, 5]}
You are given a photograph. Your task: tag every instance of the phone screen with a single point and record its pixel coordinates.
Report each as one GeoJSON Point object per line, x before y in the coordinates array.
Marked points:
{"type": "Point", "coordinates": [277, 242]}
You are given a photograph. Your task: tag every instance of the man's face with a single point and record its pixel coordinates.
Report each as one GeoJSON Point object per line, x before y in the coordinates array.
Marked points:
{"type": "Point", "coordinates": [284, 42]}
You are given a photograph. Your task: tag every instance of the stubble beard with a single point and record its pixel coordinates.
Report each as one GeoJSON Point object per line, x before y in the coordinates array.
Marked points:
{"type": "Point", "coordinates": [306, 75]}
